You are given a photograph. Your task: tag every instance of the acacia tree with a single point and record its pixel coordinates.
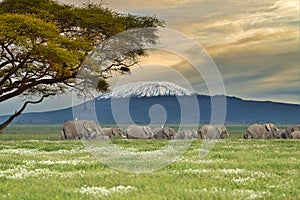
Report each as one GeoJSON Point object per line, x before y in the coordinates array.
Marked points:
{"type": "Point", "coordinates": [43, 45]}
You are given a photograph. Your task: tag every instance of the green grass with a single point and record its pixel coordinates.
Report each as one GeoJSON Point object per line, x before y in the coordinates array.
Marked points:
{"type": "Point", "coordinates": [41, 166]}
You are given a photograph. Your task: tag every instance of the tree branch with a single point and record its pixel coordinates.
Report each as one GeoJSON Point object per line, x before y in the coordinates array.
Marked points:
{"type": "Point", "coordinates": [17, 113]}
{"type": "Point", "coordinates": [24, 87]}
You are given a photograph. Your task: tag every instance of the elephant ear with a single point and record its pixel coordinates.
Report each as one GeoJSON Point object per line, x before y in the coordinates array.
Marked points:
{"type": "Point", "coordinates": [114, 131]}
{"type": "Point", "coordinates": [87, 126]}
{"type": "Point", "coordinates": [119, 131]}
{"type": "Point", "coordinates": [146, 130]}
{"type": "Point", "coordinates": [167, 131]}
{"type": "Point", "coordinates": [268, 127]}
{"type": "Point", "coordinates": [219, 129]}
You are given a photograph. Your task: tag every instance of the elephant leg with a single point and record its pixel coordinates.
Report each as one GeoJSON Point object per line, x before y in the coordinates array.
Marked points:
{"type": "Point", "coordinates": [246, 135]}
{"type": "Point", "coordinates": [64, 135]}
{"type": "Point", "coordinates": [80, 136]}
{"type": "Point", "coordinates": [93, 135]}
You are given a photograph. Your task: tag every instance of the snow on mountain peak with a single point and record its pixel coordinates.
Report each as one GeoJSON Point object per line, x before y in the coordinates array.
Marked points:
{"type": "Point", "coordinates": [147, 89]}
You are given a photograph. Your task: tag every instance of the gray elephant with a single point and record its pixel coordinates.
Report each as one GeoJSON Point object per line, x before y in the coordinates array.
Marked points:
{"type": "Point", "coordinates": [139, 132]}
{"type": "Point", "coordinates": [270, 135]}
{"type": "Point", "coordinates": [213, 132]}
{"type": "Point", "coordinates": [113, 133]}
{"type": "Point", "coordinates": [186, 134]}
{"type": "Point", "coordinates": [164, 133]}
{"type": "Point", "coordinates": [82, 129]}
{"type": "Point", "coordinates": [279, 133]}
{"type": "Point", "coordinates": [289, 130]}
{"type": "Point", "coordinates": [156, 130]}
{"type": "Point", "coordinates": [295, 135]}
{"type": "Point", "coordinates": [265, 131]}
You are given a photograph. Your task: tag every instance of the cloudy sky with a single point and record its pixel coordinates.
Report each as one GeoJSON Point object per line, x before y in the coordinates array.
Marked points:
{"type": "Point", "coordinates": [254, 44]}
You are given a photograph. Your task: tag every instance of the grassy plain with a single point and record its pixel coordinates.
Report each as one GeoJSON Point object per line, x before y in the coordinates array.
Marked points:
{"type": "Point", "coordinates": [36, 164]}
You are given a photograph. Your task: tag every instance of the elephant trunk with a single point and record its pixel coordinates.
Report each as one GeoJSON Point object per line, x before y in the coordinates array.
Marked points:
{"type": "Point", "coordinates": [246, 135]}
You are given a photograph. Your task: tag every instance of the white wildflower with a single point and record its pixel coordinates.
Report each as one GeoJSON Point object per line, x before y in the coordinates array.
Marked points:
{"type": "Point", "coordinates": [197, 171]}
{"type": "Point", "coordinates": [103, 191]}
{"type": "Point", "coordinates": [28, 152]}
{"type": "Point", "coordinates": [36, 152]}
{"type": "Point", "coordinates": [21, 173]}
{"type": "Point", "coordinates": [61, 162]}
{"type": "Point", "coordinates": [204, 190]}
{"type": "Point", "coordinates": [232, 171]}
{"type": "Point", "coordinates": [249, 194]}
{"type": "Point", "coordinates": [242, 180]}
{"type": "Point", "coordinates": [217, 190]}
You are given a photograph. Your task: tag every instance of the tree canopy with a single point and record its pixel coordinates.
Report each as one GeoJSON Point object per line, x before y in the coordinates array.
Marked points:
{"type": "Point", "coordinates": [43, 45]}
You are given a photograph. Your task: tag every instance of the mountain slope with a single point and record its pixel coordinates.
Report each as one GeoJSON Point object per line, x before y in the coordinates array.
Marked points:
{"type": "Point", "coordinates": [238, 110]}
{"type": "Point", "coordinates": [174, 99]}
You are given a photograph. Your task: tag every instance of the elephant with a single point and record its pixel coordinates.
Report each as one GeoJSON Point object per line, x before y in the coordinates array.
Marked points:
{"type": "Point", "coordinates": [289, 130]}
{"type": "Point", "coordinates": [163, 133]}
{"type": "Point", "coordinates": [156, 130]}
{"type": "Point", "coordinates": [279, 133]}
{"type": "Point", "coordinates": [186, 134]}
{"type": "Point", "coordinates": [265, 131]}
{"type": "Point", "coordinates": [81, 129]}
{"type": "Point", "coordinates": [139, 132]}
{"type": "Point", "coordinates": [295, 135]}
{"type": "Point", "coordinates": [113, 133]}
{"type": "Point", "coordinates": [270, 135]}
{"type": "Point", "coordinates": [213, 132]}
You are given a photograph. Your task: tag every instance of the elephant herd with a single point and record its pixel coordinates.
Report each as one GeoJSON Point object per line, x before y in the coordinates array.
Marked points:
{"type": "Point", "coordinates": [83, 129]}
{"type": "Point", "coordinates": [270, 131]}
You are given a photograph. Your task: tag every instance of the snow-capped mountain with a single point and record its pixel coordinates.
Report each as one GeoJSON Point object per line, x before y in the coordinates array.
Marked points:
{"type": "Point", "coordinates": [238, 111]}
{"type": "Point", "coordinates": [147, 89]}
{"type": "Point", "coordinates": [144, 95]}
